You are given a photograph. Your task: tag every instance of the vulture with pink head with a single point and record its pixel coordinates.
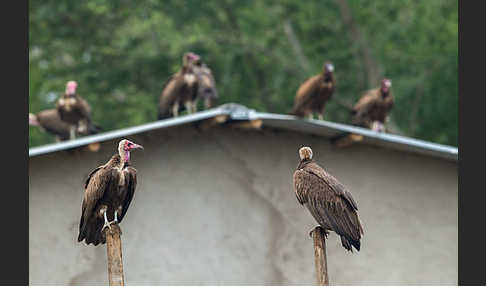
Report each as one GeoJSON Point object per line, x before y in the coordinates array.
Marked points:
{"type": "Point", "coordinates": [76, 112]}
{"type": "Point", "coordinates": [109, 190]}
{"type": "Point", "coordinates": [373, 107]}
{"type": "Point", "coordinates": [313, 95]}
{"type": "Point", "coordinates": [181, 89]}
{"type": "Point", "coordinates": [329, 202]}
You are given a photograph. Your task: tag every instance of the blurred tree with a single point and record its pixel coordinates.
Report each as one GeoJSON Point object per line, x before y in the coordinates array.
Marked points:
{"type": "Point", "coordinates": [122, 52]}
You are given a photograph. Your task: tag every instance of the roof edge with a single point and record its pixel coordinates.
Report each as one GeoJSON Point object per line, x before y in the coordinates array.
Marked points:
{"type": "Point", "coordinates": [290, 122]}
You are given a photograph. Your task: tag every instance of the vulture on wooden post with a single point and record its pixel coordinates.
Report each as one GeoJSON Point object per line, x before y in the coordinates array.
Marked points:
{"type": "Point", "coordinates": [180, 90]}
{"type": "Point", "coordinates": [373, 107]}
{"type": "Point", "coordinates": [109, 189]}
{"type": "Point", "coordinates": [75, 111]}
{"type": "Point", "coordinates": [49, 121]}
{"type": "Point", "coordinates": [327, 200]}
{"type": "Point", "coordinates": [206, 85]}
{"type": "Point", "coordinates": [314, 93]}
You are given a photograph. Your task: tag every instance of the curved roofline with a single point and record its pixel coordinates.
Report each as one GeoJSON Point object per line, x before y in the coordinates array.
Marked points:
{"type": "Point", "coordinates": [289, 122]}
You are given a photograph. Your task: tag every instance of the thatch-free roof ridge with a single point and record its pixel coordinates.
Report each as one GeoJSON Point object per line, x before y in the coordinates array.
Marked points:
{"type": "Point", "coordinates": [289, 122]}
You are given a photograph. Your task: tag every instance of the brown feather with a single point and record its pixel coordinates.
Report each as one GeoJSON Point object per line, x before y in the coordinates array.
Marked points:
{"type": "Point", "coordinates": [206, 85]}
{"type": "Point", "coordinates": [73, 108]}
{"type": "Point", "coordinates": [312, 95]}
{"type": "Point", "coordinates": [177, 90]}
{"type": "Point", "coordinates": [104, 189]}
{"type": "Point", "coordinates": [50, 121]}
{"type": "Point", "coordinates": [372, 106]}
{"type": "Point", "coordinates": [329, 202]}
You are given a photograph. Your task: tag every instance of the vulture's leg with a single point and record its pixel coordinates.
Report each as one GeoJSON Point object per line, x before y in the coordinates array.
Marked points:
{"type": "Point", "coordinates": [207, 103]}
{"type": "Point", "coordinates": [116, 217]}
{"type": "Point", "coordinates": [320, 116]}
{"type": "Point", "coordinates": [175, 109]}
{"type": "Point", "coordinates": [72, 132]}
{"type": "Point", "coordinates": [323, 230]}
{"type": "Point", "coordinates": [378, 126]}
{"type": "Point", "coordinates": [194, 106]}
{"type": "Point", "coordinates": [83, 126]}
{"type": "Point", "coordinates": [309, 116]}
{"type": "Point", "coordinates": [188, 106]}
{"type": "Point", "coordinates": [107, 223]}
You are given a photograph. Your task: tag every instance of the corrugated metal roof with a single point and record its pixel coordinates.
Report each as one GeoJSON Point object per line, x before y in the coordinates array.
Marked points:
{"type": "Point", "coordinates": [289, 122]}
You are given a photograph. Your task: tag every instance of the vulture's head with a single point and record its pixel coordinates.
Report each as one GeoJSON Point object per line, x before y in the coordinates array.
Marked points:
{"type": "Point", "coordinates": [33, 120]}
{"type": "Point", "coordinates": [305, 153]}
{"type": "Point", "coordinates": [328, 70]}
{"type": "Point", "coordinates": [71, 87]}
{"type": "Point", "coordinates": [125, 147]}
{"type": "Point", "coordinates": [385, 86]}
{"type": "Point", "coordinates": [190, 59]}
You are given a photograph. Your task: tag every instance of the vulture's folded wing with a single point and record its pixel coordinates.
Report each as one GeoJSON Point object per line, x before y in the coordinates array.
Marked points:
{"type": "Point", "coordinates": [330, 203]}
{"type": "Point", "coordinates": [99, 181]}
{"type": "Point", "coordinates": [364, 105]}
{"type": "Point", "coordinates": [130, 185]}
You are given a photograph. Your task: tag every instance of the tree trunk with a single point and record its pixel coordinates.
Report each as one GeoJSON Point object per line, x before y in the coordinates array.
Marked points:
{"type": "Point", "coordinates": [372, 68]}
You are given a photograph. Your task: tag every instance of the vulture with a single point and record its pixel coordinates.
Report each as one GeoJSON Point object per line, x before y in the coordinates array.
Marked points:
{"type": "Point", "coordinates": [75, 111]}
{"type": "Point", "coordinates": [373, 107]}
{"type": "Point", "coordinates": [206, 85]}
{"type": "Point", "coordinates": [181, 89]}
{"type": "Point", "coordinates": [109, 189]}
{"type": "Point", "coordinates": [49, 121]}
{"type": "Point", "coordinates": [327, 200]}
{"type": "Point", "coordinates": [314, 93]}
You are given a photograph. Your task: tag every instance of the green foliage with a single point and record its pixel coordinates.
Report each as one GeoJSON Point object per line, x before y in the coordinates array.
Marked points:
{"type": "Point", "coordinates": [122, 52]}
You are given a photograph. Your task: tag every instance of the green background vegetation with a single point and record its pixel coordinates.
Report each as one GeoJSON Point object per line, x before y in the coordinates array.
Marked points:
{"type": "Point", "coordinates": [121, 53]}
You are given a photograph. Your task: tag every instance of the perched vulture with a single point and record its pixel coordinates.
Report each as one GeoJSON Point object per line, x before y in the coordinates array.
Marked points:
{"type": "Point", "coordinates": [207, 85]}
{"type": "Point", "coordinates": [49, 121]}
{"type": "Point", "coordinates": [314, 93]}
{"type": "Point", "coordinates": [180, 91]}
{"type": "Point", "coordinates": [327, 200]}
{"type": "Point", "coordinates": [75, 111]}
{"type": "Point", "coordinates": [373, 107]}
{"type": "Point", "coordinates": [109, 189]}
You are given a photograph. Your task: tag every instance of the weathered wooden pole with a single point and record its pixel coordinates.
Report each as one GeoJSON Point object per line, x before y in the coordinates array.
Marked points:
{"type": "Point", "coordinates": [114, 254]}
{"type": "Point", "coordinates": [319, 237]}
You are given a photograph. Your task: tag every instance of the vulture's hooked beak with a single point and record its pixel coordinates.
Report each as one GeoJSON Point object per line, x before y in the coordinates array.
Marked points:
{"type": "Point", "coordinates": [136, 146]}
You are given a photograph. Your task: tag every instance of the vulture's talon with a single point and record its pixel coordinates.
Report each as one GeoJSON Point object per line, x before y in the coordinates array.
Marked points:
{"type": "Point", "coordinates": [108, 224]}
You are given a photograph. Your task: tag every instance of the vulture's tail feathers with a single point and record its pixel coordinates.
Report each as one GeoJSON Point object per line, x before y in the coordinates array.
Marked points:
{"type": "Point", "coordinates": [82, 229]}
{"type": "Point", "coordinates": [92, 233]}
{"type": "Point", "coordinates": [163, 116]}
{"type": "Point", "coordinates": [94, 128]}
{"type": "Point", "coordinates": [347, 242]}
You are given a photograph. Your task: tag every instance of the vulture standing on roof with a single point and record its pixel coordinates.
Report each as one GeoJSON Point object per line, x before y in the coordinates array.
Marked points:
{"type": "Point", "coordinates": [207, 85]}
{"type": "Point", "coordinates": [49, 121]}
{"type": "Point", "coordinates": [180, 90]}
{"type": "Point", "coordinates": [373, 107]}
{"type": "Point", "coordinates": [108, 192]}
{"type": "Point", "coordinates": [314, 93]}
{"type": "Point", "coordinates": [327, 200]}
{"type": "Point", "coordinates": [75, 111]}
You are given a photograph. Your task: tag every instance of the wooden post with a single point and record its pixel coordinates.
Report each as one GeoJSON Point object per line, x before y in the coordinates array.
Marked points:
{"type": "Point", "coordinates": [320, 256]}
{"type": "Point", "coordinates": [114, 253]}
